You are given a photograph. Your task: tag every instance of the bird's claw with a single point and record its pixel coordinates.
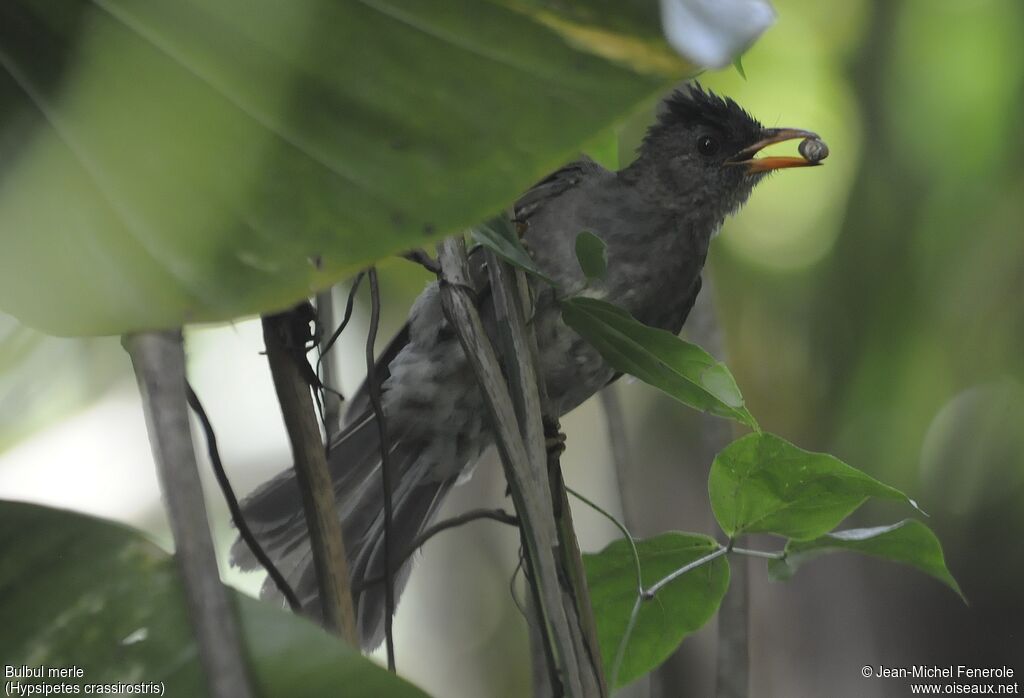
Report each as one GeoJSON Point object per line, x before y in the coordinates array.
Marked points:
{"type": "Point", "coordinates": [555, 445]}
{"type": "Point", "coordinates": [554, 437]}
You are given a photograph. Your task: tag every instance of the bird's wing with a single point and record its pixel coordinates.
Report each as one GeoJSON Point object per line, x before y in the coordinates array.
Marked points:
{"type": "Point", "coordinates": [547, 189]}
{"type": "Point", "coordinates": [552, 186]}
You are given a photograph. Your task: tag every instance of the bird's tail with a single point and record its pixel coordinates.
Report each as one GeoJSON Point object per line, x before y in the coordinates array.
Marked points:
{"type": "Point", "coordinates": [275, 515]}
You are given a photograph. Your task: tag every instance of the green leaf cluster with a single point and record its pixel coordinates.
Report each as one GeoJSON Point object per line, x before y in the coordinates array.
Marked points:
{"type": "Point", "coordinates": [760, 483]}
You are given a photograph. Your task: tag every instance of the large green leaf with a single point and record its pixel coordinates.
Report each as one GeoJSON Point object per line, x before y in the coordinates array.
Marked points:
{"type": "Point", "coordinates": [167, 162]}
{"type": "Point", "coordinates": [77, 591]}
{"type": "Point", "coordinates": [44, 378]}
{"type": "Point", "coordinates": [680, 369]}
{"type": "Point", "coordinates": [680, 608]}
{"type": "Point", "coordinates": [909, 542]}
{"type": "Point", "coordinates": [761, 483]}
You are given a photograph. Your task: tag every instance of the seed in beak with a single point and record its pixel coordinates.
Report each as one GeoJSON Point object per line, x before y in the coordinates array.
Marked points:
{"type": "Point", "coordinates": [813, 150]}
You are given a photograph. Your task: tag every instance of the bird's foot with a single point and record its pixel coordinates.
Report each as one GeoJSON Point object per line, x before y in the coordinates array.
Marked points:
{"type": "Point", "coordinates": [555, 444]}
{"type": "Point", "coordinates": [554, 438]}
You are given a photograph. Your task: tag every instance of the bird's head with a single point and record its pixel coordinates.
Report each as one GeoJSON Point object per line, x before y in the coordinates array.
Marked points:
{"type": "Point", "coordinates": [703, 151]}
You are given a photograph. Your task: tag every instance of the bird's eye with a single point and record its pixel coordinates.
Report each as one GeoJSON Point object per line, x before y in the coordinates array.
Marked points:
{"type": "Point", "coordinates": [707, 145]}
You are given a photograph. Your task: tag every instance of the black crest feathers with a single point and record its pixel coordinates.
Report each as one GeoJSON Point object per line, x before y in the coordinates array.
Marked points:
{"type": "Point", "coordinates": [692, 106]}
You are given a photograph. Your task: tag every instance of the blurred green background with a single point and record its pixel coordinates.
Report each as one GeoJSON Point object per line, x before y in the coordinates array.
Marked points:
{"type": "Point", "coordinates": [872, 308]}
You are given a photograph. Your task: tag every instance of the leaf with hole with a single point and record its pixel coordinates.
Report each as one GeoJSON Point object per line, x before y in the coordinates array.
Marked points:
{"type": "Point", "coordinates": [83, 592]}
{"type": "Point", "coordinates": [682, 607]}
{"type": "Point", "coordinates": [591, 253]}
{"type": "Point", "coordinates": [222, 158]}
{"type": "Point", "coordinates": [761, 483]}
{"type": "Point", "coordinates": [909, 542]}
{"type": "Point", "coordinates": [659, 358]}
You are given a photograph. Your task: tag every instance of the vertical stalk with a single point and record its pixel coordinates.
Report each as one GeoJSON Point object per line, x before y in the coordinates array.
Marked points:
{"type": "Point", "coordinates": [521, 358]}
{"type": "Point", "coordinates": [577, 591]}
{"type": "Point", "coordinates": [159, 362]}
{"type": "Point", "coordinates": [284, 351]}
{"type": "Point", "coordinates": [541, 661]}
{"type": "Point", "coordinates": [733, 674]}
{"type": "Point", "coordinates": [529, 485]}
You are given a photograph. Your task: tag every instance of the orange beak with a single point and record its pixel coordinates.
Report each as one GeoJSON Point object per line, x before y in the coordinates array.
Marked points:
{"type": "Point", "coordinates": [767, 164]}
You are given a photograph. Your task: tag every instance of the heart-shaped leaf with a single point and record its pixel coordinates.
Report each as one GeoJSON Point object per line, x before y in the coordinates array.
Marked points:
{"type": "Point", "coordinates": [761, 483]}
{"type": "Point", "coordinates": [680, 608]}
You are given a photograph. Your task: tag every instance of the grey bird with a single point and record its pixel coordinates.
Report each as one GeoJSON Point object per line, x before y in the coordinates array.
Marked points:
{"type": "Point", "coordinates": [656, 217]}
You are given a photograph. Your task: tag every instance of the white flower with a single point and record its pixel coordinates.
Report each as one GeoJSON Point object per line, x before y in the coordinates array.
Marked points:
{"type": "Point", "coordinates": [710, 33]}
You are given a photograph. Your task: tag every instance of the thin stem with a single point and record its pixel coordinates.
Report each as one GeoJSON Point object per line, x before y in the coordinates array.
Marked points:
{"type": "Point", "coordinates": [622, 528]}
{"type": "Point", "coordinates": [325, 370]}
{"type": "Point", "coordinates": [620, 653]}
{"type": "Point", "coordinates": [652, 591]}
{"type": "Point", "coordinates": [349, 307]}
{"type": "Point", "coordinates": [759, 553]}
{"type": "Point", "coordinates": [499, 515]}
{"type": "Point", "coordinates": [311, 473]}
{"type": "Point", "coordinates": [232, 501]}
{"type": "Point", "coordinates": [385, 470]}
{"type": "Point", "coordinates": [159, 362]}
